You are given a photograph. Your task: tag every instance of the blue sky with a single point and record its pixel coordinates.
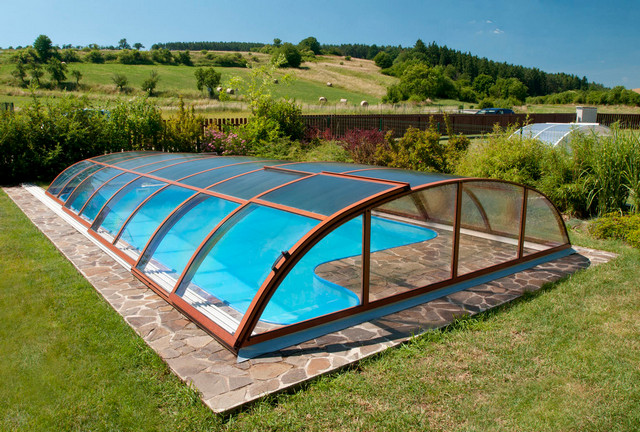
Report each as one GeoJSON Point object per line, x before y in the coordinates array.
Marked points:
{"type": "Point", "coordinates": [598, 39]}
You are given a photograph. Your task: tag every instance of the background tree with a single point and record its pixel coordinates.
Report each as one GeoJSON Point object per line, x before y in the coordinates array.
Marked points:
{"type": "Point", "coordinates": [35, 71]}
{"type": "Point", "coordinates": [77, 75]}
{"type": "Point", "coordinates": [383, 60]}
{"type": "Point", "coordinates": [149, 84]}
{"type": "Point", "coordinates": [138, 46]}
{"type": "Point", "coordinates": [311, 44]}
{"type": "Point", "coordinates": [277, 42]}
{"type": "Point", "coordinates": [290, 55]}
{"type": "Point", "coordinates": [185, 58]}
{"type": "Point", "coordinates": [43, 47]}
{"type": "Point", "coordinates": [123, 44]}
{"type": "Point", "coordinates": [207, 78]}
{"type": "Point", "coordinates": [120, 81]}
{"type": "Point", "coordinates": [57, 71]}
{"type": "Point", "coordinates": [482, 84]}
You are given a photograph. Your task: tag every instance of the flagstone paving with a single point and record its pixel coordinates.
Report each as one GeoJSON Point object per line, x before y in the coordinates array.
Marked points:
{"type": "Point", "coordinates": [225, 384]}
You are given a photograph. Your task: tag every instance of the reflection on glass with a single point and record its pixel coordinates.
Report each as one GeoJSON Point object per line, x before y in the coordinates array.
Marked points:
{"type": "Point", "coordinates": [227, 274]}
{"type": "Point", "coordinates": [543, 226]}
{"type": "Point", "coordinates": [490, 224]}
{"type": "Point", "coordinates": [147, 219]}
{"type": "Point", "coordinates": [412, 241]}
{"type": "Point", "coordinates": [327, 279]}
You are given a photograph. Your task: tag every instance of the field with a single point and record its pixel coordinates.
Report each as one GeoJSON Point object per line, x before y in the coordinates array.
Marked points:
{"type": "Point", "coordinates": [354, 80]}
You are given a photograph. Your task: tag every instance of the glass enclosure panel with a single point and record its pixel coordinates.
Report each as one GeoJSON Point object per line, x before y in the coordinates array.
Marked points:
{"type": "Point", "coordinates": [82, 193]}
{"type": "Point", "coordinates": [412, 241]}
{"type": "Point", "coordinates": [324, 194]}
{"type": "Point", "coordinates": [147, 159]}
{"type": "Point", "coordinates": [414, 178]}
{"type": "Point", "coordinates": [149, 168]}
{"type": "Point", "coordinates": [252, 184]}
{"type": "Point", "coordinates": [318, 167]}
{"type": "Point", "coordinates": [209, 178]}
{"type": "Point", "coordinates": [490, 224]}
{"type": "Point", "coordinates": [544, 228]}
{"type": "Point", "coordinates": [194, 166]}
{"type": "Point", "coordinates": [143, 224]}
{"type": "Point", "coordinates": [327, 279]}
{"type": "Point", "coordinates": [57, 185]}
{"type": "Point", "coordinates": [113, 157]}
{"type": "Point", "coordinates": [75, 181]}
{"type": "Point", "coordinates": [172, 247]}
{"type": "Point", "coordinates": [227, 273]}
{"type": "Point", "coordinates": [103, 194]}
{"type": "Point", "coordinates": [119, 208]}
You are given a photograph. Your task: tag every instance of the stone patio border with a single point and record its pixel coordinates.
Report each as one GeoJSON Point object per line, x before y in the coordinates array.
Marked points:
{"type": "Point", "coordinates": [223, 383]}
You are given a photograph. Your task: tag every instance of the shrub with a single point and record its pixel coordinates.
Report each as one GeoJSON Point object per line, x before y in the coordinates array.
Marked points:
{"type": "Point", "coordinates": [617, 226]}
{"type": "Point", "coordinates": [120, 81]}
{"type": "Point", "coordinates": [363, 145]}
{"type": "Point", "coordinates": [149, 84]}
{"type": "Point", "coordinates": [289, 54]}
{"type": "Point", "coordinates": [223, 143]}
{"type": "Point", "coordinates": [417, 150]}
{"type": "Point", "coordinates": [182, 132]}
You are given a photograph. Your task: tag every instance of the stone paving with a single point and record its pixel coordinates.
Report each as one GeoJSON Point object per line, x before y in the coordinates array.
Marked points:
{"type": "Point", "coordinates": [225, 384]}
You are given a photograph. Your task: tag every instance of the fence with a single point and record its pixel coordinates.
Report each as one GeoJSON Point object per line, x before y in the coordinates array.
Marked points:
{"type": "Point", "coordinates": [467, 124]}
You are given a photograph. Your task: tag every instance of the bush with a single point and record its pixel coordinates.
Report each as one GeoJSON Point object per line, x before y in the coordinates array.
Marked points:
{"type": "Point", "coordinates": [287, 56]}
{"type": "Point", "coordinates": [417, 150]}
{"type": "Point", "coordinates": [223, 143]}
{"type": "Point", "coordinates": [363, 145]}
{"type": "Point", "coordinates": [94, 56]}
{"type": "Point", "coordinates": [617, 226]}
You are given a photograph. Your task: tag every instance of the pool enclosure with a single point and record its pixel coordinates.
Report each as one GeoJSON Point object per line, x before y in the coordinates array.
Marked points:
{"type": "Point", "coordinates": [264, 254]}
{"type": "Point", "coordinates": [560, 133]}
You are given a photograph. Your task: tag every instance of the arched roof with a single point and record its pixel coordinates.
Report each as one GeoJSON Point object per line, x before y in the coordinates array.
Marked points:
{"type": "Point", "coordinates": [556, 133]}
{"type": "Point", "coordinates": [222, 237]}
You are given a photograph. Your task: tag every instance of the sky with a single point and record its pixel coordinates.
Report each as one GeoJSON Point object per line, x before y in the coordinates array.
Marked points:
{"type": "Point", "coordinates": [596, 39]}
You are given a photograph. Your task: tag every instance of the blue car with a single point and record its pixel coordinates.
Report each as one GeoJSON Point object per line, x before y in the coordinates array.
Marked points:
{"type": "Point", "coordinates": [495, 111]}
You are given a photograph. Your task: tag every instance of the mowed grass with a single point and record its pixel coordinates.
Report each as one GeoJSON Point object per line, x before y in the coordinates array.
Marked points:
{"type": "Point", "coordinates": [563, 359]}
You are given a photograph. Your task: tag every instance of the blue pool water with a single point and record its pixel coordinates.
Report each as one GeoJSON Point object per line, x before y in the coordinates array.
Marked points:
{"type": "Point", "coordinates": [240, 260]}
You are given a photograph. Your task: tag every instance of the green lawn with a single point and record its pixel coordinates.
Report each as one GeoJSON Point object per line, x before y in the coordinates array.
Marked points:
{"type": "Point", "coordinates": [566, 358]}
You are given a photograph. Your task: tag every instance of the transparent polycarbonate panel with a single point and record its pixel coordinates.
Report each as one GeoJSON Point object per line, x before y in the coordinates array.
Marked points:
{"type": "Point", "coordinates": [412, 241]}
{"type": "Point", "coordinates": [172, 247]}
{"type": "Point", "coordinates": [195, 166]}
{"type": "Point", "coordinates": [75, 181]}
{"type": "Point", "coordinates": [217, 175]}
{"type": "Point", "coordinates": [56, 186]}
{"type": "Point", "coordinates": [327, 279]}
{"type": "Point", "coordinates": [147, 159]}
{"type": "Point", "coordinates": [544, 228]}
{"type": "Point", "coordinates": [151, 168]}
{"type": "Point", "coordinates": [148, 218]}
{"type": "Point", "coordinates": [414, 178]}
{"type": "Point", "coordinates": [318, 167]}
{"type": "Point", "coordinates": [325, 194]}
{"type": "Point", "coordinates": [252, 184]}
{"type": "Point", "coordinates": [112, 157]}
{"type": "Point", "coordinates": [490, 217]}
{"type": "Point", "coordinates": [234, 263]}
{"type": "Point", "coordinates": [84, 191]}
{"type": "Point", "coordinates": [120, 207]}
{"type": "Point", "coordinates": [103, 194]}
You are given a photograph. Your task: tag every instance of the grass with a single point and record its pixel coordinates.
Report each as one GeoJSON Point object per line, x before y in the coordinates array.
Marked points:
{"type": "Point", "coordinates": [565, 358]}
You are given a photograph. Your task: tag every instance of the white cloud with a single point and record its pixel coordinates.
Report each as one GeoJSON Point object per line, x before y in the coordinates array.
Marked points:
{"type": "Point", "coordinates": [489, 22]}
{"type": "Point", "coordinates": [498, 31]}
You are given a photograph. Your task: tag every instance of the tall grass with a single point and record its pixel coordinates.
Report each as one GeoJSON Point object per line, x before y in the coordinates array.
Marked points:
{"type": "Point", "coordinates": [592, 175]}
